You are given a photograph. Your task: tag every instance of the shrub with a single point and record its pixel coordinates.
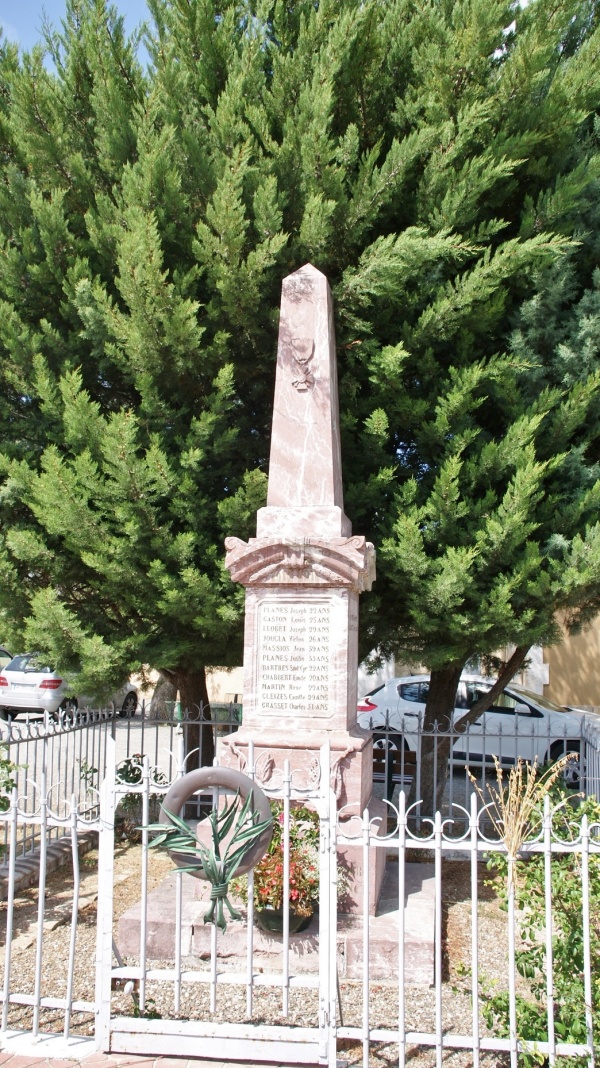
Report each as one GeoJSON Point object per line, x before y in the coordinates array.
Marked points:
{"type": "Point", "coordinates": [130, 806]}
{"type": "Point", "coordinates": [567, 936]}
{"type": "Point", "coordinates": [304, 864]}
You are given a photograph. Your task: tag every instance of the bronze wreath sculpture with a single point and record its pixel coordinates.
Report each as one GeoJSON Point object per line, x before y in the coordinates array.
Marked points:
{"type": "Point", "coordinates": [248, 817]}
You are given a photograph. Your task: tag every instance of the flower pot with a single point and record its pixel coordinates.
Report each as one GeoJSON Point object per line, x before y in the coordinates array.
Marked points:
{"type": "Point", "coordinates": [271, 920]}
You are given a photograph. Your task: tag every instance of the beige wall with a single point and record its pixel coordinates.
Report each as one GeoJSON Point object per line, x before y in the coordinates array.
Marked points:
{"type": "Point", "coordinates": [225, 684]}
{"type": "Point", "coordinates": [575, 669]}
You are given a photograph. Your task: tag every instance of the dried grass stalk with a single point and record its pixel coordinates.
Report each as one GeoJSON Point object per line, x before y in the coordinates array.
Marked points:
{"type": "Point", "coordinates": [513, 807]}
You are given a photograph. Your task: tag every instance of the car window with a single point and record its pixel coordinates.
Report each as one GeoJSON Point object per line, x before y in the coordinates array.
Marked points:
{"type": "Point", "coordinates": [465, 695]}
{"type": "Point", "coordinates": [17, 663]}
{"type": "Point", "coordinates": [414, 691]}
{"type": "Point", "coordinates": [372, 693]}
{"type": "Point", "coordinates": [504, 703]}
{"type": "Point", "coordinates": [524, 695]}
{"type": "Point", "coordinates": [29, 662]}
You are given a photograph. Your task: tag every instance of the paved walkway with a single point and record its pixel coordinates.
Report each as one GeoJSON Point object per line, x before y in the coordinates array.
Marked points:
{"type": "Point", "coordinates": [112, 1060]}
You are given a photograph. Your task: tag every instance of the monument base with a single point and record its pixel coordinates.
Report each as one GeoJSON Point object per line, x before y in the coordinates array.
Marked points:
{"type": "Point", "coordinates": [351, 768]}
{"type": "Point", "coordinates": [351, 772]}
{"type": "Point", "coordinates": [384, 927]}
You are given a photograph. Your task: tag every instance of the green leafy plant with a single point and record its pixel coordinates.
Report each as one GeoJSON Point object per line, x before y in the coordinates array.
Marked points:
{"type": "Point", "coordinates": [88, 774]}
{"type": "Point", "coordinates": [219, 865]}
{"type": "Point", "coordinates": [150, 1012]}
{"type": "Point", "coordinates": [304, 881]}
{"type": "Point", "coordinates": [528, 885]}
{"type": "Point", "coordinates": [304, 864]}
{"type": "Point", "coordinates": [130, 770]}
{"type": "Point", "coordinates": [7, 781]}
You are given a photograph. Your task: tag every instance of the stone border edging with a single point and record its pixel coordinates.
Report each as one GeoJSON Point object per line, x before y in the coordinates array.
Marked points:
{"type": "Point", "coordinates": [27, 868]}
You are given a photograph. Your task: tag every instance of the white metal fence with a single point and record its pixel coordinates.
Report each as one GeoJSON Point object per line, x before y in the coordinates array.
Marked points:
{"type": "Point", "coordinates": [300, 1002]}
{"type": "Point", "coordinates": [70, 755]}
{"type": "Point", "coordinates": [398, 753]}
{"type": "Point", "coordinates": [74, 751]}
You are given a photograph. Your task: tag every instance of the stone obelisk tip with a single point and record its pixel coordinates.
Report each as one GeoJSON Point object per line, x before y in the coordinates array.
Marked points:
{"type": "Point", "coordinates": [305, 470]}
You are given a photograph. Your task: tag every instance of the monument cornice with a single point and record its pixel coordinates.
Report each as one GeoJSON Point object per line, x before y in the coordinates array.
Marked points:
{"type": "Point", "coordinates": [348, 562]}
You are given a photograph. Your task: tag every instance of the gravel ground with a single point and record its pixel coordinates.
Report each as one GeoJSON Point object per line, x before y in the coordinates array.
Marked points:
{"type": "Point", "coordinates": [231, 1004]}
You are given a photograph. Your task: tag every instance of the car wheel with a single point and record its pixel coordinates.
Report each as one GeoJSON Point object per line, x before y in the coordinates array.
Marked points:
{"type": "Point", "coordinates": [389, 747]}
{"type": "Point", "coordinates": [5, 715]}
{"type": "Point", "coordinates": [130, 703]}
{"type": "Point", "coordinates": [572, 773]}
{"type": "Point", "coordinates": [386, 740]}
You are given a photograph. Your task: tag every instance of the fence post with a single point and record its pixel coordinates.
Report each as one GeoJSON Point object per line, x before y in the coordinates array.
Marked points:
{"type": "Point", "coordinates": [37, 989]}
{"type": "Point", "coordinates": [106, 852]}
{"type": "Point", "coordinates": [325, 918]}
{"type": "Point", "coordinates": [474, 839]}
{"type": "Point", "coordinates": [587, 959]}
{"type": "Point", "coordinates": [12, 857]}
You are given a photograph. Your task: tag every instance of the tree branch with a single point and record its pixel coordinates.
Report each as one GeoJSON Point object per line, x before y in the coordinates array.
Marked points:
{"type": "Point", "coordinates": [486, 701]}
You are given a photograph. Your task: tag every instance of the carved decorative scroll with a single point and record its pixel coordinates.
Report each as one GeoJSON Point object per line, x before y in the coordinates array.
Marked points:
{"type": "Point", "coordinates": [340, 764]}
{"type": "Point", "coordinates": [335, 562]}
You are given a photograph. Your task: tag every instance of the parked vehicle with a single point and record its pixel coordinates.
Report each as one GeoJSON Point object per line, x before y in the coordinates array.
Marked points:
{"type": "Point", "coordinates": [5, 657]}
{"type": "Point", "coordinates": [29, 684]}
{"type": "Point", "coordinates": [519, 724]}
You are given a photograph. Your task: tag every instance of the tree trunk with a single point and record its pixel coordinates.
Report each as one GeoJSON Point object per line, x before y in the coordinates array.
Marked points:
{"type": "Point", "coordinates": [435, 749]}
{"type": "Point", "coordinates": [439, 709]}
{"type": "Point", "coordinates": [164, 693]}
{"type": "Point", "coordinates": [197, 726]}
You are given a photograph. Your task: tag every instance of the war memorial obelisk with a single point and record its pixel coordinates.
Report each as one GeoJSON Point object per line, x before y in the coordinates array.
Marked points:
{"type": "Point", "coordinates": [304, 572]}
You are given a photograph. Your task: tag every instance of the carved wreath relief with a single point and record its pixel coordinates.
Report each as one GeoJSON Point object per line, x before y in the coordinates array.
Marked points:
{"type": "Point", "coordinates": [297, 330]}
{"type": "Point", "coordinates": [302, 350]}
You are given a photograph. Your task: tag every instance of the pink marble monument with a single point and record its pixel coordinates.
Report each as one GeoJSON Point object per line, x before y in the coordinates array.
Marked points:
{"type": "Point", "coordinates": [304, 573]}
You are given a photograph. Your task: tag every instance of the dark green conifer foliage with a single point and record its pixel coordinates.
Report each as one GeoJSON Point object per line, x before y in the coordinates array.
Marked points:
{"type": "Point", "coordinates": [440, 163]}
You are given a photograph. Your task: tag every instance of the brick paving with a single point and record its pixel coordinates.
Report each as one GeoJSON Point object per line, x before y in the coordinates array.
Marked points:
{"type": "Point", "coordinates": [113, 1060]}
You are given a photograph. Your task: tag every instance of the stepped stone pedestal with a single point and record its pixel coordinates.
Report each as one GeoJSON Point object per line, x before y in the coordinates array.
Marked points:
{"type": "Point", "coordinates": [419, 915]}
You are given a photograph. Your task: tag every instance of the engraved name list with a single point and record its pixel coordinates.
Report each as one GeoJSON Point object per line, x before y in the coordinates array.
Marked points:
{"type": "Point", "coordinates": [294, 662]}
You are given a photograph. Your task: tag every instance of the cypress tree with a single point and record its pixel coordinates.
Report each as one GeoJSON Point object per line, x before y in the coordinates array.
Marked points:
{"type": "Point", "coordinates": [440, 164]}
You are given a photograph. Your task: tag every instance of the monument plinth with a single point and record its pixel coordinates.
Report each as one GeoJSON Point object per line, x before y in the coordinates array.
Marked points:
{"type": "Point", "coordinates": [301, 629]}
{"type": "Point", "coordinates": [304, 571]}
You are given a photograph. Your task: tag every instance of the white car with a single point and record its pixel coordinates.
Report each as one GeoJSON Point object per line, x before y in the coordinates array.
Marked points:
{"type": "Point", "coordinates": [29, 684]}
{"type": "Point", "coordinates": [518, 724]}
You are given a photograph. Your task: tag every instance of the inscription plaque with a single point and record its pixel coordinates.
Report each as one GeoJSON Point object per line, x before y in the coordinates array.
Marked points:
{"type": "Point", "coordinates": [294, 657]}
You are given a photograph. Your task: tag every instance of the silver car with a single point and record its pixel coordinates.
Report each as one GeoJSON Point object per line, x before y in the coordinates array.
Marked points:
{"type": "Point", "coordinates": [29, 684]}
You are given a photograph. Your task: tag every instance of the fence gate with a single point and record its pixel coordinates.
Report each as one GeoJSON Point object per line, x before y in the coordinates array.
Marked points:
{"type": "Point", "coordinates": [262, 982]}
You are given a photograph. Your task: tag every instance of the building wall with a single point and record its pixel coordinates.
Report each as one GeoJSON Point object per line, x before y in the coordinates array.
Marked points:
{"type": "Point", "coordinates": [368, 682]}
{"type": "Point", "coordinates": [574, 669]}
{"type": "Point", "coordinates": [225, 684]}
{"type": "Point", "coordinates": [537, 674]}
